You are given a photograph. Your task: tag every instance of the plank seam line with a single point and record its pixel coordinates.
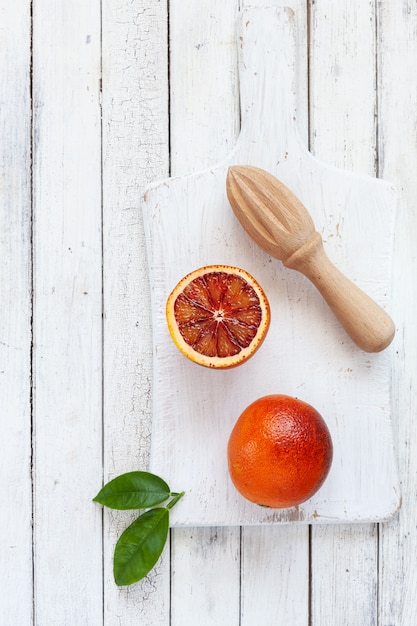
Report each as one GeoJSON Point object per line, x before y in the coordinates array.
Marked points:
{"type": "Point", "coordinates": [377, 174]}
{"type": "Point", "coordinates": [241, 539]}
{"type": "Point", "coordinates": [170, 552]}
{"type": "Point", "coordinates": [168, 43]}
{"type": "Point", "coordinates": [32, 298]}
{"type": "Point", "coordinates": [376, 79]}
{"type": "Point", "coordinates": [309, 10]}
{"type": "Point", "coordinates": [310, 576]}
{"type": "Point", "coordinates": [308, 56]}
{"type": "Point", "coordinates": [168, 77]}
{"type": "Point", "coordinates": [100, 94]}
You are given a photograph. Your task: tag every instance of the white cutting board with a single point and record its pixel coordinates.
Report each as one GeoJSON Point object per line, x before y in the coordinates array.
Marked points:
{"type": "Point", "coordinates": [189, 223]}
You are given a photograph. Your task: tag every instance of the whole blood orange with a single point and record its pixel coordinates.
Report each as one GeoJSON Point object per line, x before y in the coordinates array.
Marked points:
{"type": "Point", "coordinates": [218, 316]}
{"type": "Point", "coordinates": [279, 451]}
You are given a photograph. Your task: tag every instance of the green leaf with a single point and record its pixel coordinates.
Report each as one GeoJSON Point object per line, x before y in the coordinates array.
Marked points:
{"type": "Point", "coordinates": [134, 490]}
{"type": "Point", "coordinates": [140, 546]}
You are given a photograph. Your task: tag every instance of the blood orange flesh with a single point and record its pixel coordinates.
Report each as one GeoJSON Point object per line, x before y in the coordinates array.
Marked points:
{"type": "Point", "coordinates": [218, 316]}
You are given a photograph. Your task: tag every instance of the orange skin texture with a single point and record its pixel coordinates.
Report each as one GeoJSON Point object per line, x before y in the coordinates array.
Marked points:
{"type": "Point", "coordinates": [279, 452]}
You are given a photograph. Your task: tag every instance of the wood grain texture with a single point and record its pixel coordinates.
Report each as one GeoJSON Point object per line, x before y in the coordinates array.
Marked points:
{"type": "Point", "coordinates": [343, 84]}
{"type": "Point", "coordinates": [343, 132]}
{"type": "Point", "coordinates": [275, 565]}
{"type": "Point", "coordinates": [275, 575]}
{"type": "Point", "coordinates": [205, 574]}
{"type": "Point", "coordinates": [362, 86]}
{"type": "Point", "coordinates": [135, 151]}
{"type": "Point", "coordinates": [204, 107]}
{"type": "Point", "coordinates": [397, 85]}
{"type": "Point", "coordinates": [67, 313]}
{"type": "Point", "coordinates": [204, 127]}
{"type": "Point", "coordinates": [15, 314]}
{"type": "Point", "coordinates": [344, 575]}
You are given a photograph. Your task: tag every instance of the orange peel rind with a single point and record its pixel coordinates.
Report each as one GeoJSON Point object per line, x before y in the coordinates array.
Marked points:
{"type": "Point", "coordinates": [218, 316]}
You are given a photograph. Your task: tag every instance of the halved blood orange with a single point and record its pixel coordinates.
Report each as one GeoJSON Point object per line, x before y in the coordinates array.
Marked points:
{"type": "Point", "coordinates": [218, 316]}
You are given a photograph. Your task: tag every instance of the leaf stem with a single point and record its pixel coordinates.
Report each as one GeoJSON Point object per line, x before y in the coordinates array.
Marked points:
{"type": "Point", "coordinates": [175, 498]}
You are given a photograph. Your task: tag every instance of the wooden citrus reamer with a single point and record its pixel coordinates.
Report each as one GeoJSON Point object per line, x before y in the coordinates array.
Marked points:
{"type": "Point", "coordinates": [280, 224]}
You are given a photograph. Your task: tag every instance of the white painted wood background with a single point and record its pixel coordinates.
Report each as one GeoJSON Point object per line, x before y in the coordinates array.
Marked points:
{"type": "Point", "coordinates": [97, 100]}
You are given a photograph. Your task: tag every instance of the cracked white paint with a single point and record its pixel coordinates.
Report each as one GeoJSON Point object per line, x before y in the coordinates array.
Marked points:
{"type": "Point", "coordinates": [97, 128]}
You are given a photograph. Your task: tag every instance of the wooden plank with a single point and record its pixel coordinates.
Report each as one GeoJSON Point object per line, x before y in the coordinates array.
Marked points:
{"type": "Point", "coordinates": [275, 561]}
{"type": "Point", "coordinates": [204, 128]}
{"type": "Point", "coordinates": [342, 132]}
{"type": "Point", "coordinates": [275, 576]}
{"type": "Point", "coordinates": [299, 8]}
{"type": "Point", "coordinates": [205, 576]}
{"type": "Point", "coordinates": [15, 314]}
{"type": "Point", "coordinates": [344, 566]}
{"type": "Point", "coordinates": [67, 313]}
{"type": "Point", "coordinates": [342, 84]}
{"type": "Point", "coordinates": [135, 152]}
{"type": "Point", "coordinates": [204, 106]}
{"type": "Point", "coordinates": [397, 85]}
